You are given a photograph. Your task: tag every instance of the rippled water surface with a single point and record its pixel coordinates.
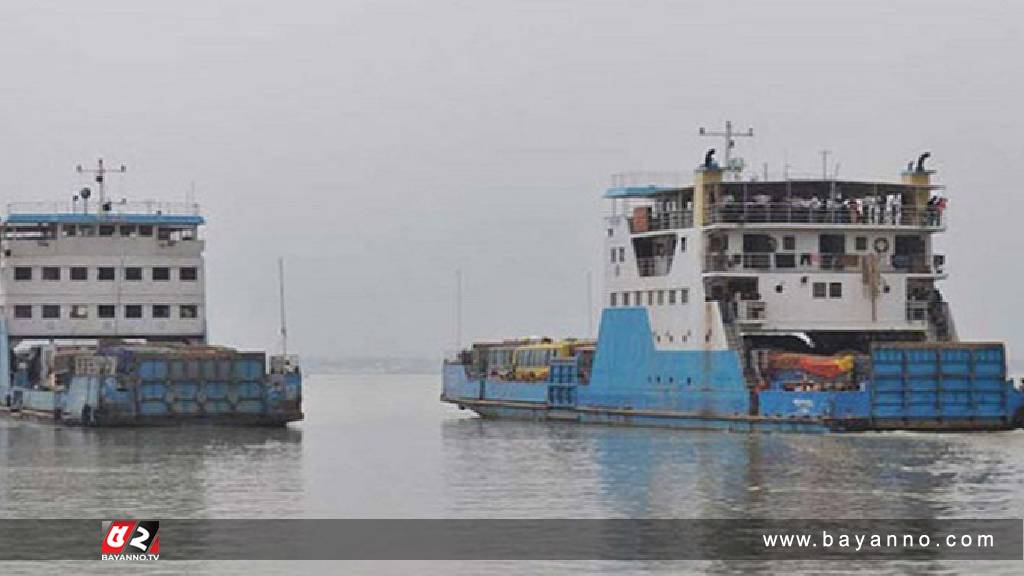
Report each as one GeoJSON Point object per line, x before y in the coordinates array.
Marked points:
{"type": "Point", "coordinates": [384, 447]}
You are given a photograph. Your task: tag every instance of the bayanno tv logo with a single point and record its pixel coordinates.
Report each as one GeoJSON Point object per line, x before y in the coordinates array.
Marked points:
{"type": "Point", "coordinates": [130, 540]}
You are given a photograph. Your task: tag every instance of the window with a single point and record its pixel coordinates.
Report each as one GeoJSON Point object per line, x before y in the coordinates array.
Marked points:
{"type": "Point", "coordinates": [614, 252]}
{"type": "Point", "coordinates": [188, 274]}
{"type": "Point", "coordinates": [861, 243]}
{"type": "Point", "coordinates": [163, 233]}
{"type": "Point", "coordinates": [611, 232]}
{"type": "Point", "coordinates": [622, 254]}
{"type": "Point", "coordinates": [70, 230]}
{"type": "Point", "coordinates": [51, 311]}
{"type": "Point", "coordinates": [105, 273]}
{"type": "Point", "coordinates": [87, 230]}
{"type": "Point", "coordinates": [161, 311]}
{"type": "Point", "coordinates": [133, 311]}
{"type": "Point", "coordinates": [785, 260]}
{"type": "Point", "coordinates": [79, 311]}
{"type": "Point", "coordinates": [22, 311]}
{"type": "Point", "coordinates": [638, 298]}
{"type": "Point", "coordinates": [789, 242]}
{"type": "Point", "coordinates": [682, 243]}
{"type": "Point", "coordinates": [661, 297]}
{"type": "Point", "coordinates": [684, 295]}
{"type": "Point", "coordinates": [105, 310]}
{"type": "Point", "coordinates": [79, 273]}
{"type": "Point", "coordinates": [51, 273]}
{"type": "Point", "coordinates": [818, 290]}
{"type": "Point", "coordinates": [671, 296]}
{"type": "Point", "coordinates": [835, 290]}
{"type": "Point", "coordinates": [133, 273]}
{"type": "Point", "coordinates": [22, 273]}
{"type": "Point", "coordinates": [106, 229]}
{"type": "Point", "coordinates": [650, 297]}
{"type": "Point", "coordinates": [161, 274]}
{"type": "Point", "coordinates": [127, 230]}
{"type": "Point", "coordinates": [145, 230]}
{"type": "Point", "coordinates": [625, 298]}
{"type": "Point", "coordinates": [614, 301]}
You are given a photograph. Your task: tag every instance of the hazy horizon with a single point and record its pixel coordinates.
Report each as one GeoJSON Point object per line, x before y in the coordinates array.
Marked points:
{"type": "Point", "coordinates": [380, 146]}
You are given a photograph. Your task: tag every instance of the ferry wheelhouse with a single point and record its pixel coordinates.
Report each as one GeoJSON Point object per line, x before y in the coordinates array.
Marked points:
{"type": "Point", "coordinates": [802, 304]}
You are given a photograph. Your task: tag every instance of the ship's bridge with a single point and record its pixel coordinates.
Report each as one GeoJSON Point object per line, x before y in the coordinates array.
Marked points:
{"type": "Point", "coordinates": [110, 269]}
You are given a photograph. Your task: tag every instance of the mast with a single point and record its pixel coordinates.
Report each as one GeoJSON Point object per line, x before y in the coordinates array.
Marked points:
{"type": "Point", "coordinates": [730, 142]}
{"type": "Point", "coordinates": [100, 172]}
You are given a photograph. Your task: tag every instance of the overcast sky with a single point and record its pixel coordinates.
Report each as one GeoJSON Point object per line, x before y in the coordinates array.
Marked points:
{"type": "Point", "coordinates": [380, 145]}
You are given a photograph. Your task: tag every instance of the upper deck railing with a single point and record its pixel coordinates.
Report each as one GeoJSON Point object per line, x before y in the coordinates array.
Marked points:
{"type": "Point", "coordinates": [143, 207]}
{"type": "Point", "coordinates": [808, 262]}
{"type": "Point", "coordinates": [799, 213]}
{"type": "Point", "coordinates": [658, 221]}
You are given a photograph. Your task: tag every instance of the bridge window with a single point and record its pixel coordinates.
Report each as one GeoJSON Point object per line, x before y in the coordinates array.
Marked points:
{"type": "Point", "coordinates": [161, 274]}
{"type": "Point", "coordinates": [51, 273]}
{"type": "Point", "coordinates": [79, 311]}
{"type": "Point", "coordinates": [133, 273]}
{"type": "Point", "coordinates": [818, 290]}
{"type": "Point", "coordinates": [51, 311]}
{"type": "Point", "coordinates": [105, 273]}
{"type": "Point", "coordinates": [161, 311]}
{"type": "Point", "coordinates": [79, 273]}
{"type": "Point", "coordinates": [133, 311]}
{"type": "Point", "coordinates": [22, 311]}
{"type": "Point", "coordinates": [23, 273]}
{"type": "Point", "coordinates": [106, 310]}
{"type": "Point", "coordinates": [188, 274]}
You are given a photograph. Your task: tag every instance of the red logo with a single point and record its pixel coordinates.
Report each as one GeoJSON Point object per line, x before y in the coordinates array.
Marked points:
{"type": "Point", "coordinates": [130, 540]}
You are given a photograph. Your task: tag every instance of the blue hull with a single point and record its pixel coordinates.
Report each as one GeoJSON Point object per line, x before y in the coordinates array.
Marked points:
{"type": "Point", "coordinates": [911, 387]}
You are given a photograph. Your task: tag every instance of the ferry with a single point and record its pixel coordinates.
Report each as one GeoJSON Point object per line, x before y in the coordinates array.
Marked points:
{"type": "Point", "coordinates": [740, 303]}
{"type": "Point", "coordinates": [103, 320]}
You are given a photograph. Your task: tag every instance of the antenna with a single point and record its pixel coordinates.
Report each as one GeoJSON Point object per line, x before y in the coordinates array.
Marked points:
{"type": "Point", "coordinates": [730, 141]}
{"type": "Point", "coordinates": [590, 304]}
{"type": "Point", "coordinates": [458, 309]}
{"type": "Point", "coordinates": [284, 317]}
{"type": "Point", "coordinates": [824, 164]}
{"type": "Point", "coordinates": [100, 172]}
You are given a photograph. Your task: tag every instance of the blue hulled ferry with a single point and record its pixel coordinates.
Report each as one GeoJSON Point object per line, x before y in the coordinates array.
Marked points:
{"type": "Point", "coordinates": [104, 320]}
{"type": "Point", "coordinates": [755, 304]}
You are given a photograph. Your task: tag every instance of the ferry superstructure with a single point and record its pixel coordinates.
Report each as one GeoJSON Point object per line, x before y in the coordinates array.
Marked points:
{"type": "Point", "coordinates": [809, 304]}
{"type": "Point", "coordinates": [104, 320]}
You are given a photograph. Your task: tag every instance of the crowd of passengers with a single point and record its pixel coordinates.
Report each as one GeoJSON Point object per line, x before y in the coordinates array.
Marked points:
{"type": "Point", "coordinates": [887, 209]}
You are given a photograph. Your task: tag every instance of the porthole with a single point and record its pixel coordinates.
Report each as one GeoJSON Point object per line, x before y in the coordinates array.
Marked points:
{"type": "Point", "coordinates": [881, 245]}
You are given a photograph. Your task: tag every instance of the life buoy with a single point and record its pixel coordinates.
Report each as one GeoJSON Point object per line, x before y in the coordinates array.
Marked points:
{"type": "Point", "coordinates": [881, 245]}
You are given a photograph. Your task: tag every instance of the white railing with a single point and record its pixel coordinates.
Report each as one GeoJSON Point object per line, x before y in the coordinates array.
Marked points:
{"type": "Point", "coordinates": [147, 207]}
{"type": "Point", "coordinates": [795, 213]}
{"type": "Point", "coordinates": [809, 262]}
{"type": "Point", "coordinates": [647, 179]}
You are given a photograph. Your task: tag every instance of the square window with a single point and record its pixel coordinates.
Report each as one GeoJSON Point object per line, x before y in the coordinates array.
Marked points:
{"type": "Point", "coordinates": [106, 310]}
{"type": "Point", "coordinates": [835, 290]}
{"type": "Point", "coordinates": [818, 290]}
{"type": "Point", "coordinates": [51, 311]}
{"type": "Point", "coordinates": [79, 311]}
{"type": "Point", "coordinates": [105, 273]}
{"type": "Point", "coordinates": [188, 274]}
{"type": "Point", "coordinates": [106, 229]}
{"type": "Point", "coordinates": [861, 243]}
{"type": "Point", "coordinates": [79, 273]}
{"type": "Point", "coordinates": [789, 242]}
{"type": "Point", "coordinates": [133, 273]}
{"type": "Point", "coordinates": [161, 311]}
{"type": "Point", "coordinates": [22, 311]}
{"type": "Point", "coordinates": [51, 273]}
{"type": "Point", "coordinates": [22, 273]}
{"type": "Point", "coordinates": [161, 274]}
{"type": "Point", "coordinates": [145, 230]}
{"type": "Point", "coordinates": [133, 311]}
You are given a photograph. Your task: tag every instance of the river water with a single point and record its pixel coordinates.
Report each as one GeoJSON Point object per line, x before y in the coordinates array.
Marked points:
{"type": "Point", "coordinates": [385, 447]}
